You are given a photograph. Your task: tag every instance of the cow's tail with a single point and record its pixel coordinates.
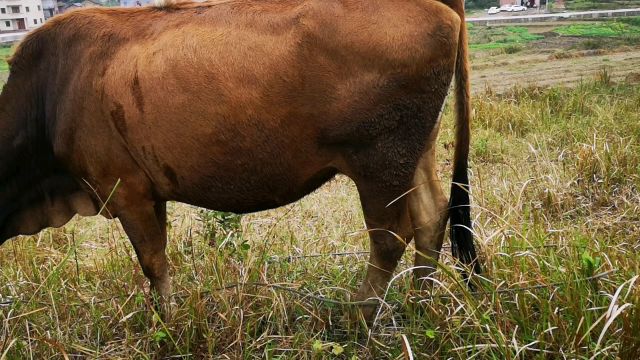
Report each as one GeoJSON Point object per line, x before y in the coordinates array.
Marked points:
{"type": "Point", "coordinates": [459, 202]}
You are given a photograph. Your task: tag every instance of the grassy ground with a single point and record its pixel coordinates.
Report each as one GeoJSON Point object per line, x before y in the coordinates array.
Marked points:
{"type": "Point", "coordinates": [556, 192]}
{"type": "Point", "coordinates": [580, 5]}
{"type": "Point", "coordinates": [508, 37]}
{"type": "Point", "coordinates": [626, 27]}
{"type": "Point", "coordinates": [5, 51]}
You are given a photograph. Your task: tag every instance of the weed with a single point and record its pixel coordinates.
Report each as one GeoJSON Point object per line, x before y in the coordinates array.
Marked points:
{"type": "Point", "coordinates": [591, 44]}
{"type": "Point", "coordinates": [612, 28]}
{"type": "Point", "coordinates": [562, 54]}
{"type": "Point", "coordinates": [512, 49]}
{"type": "Point", "coordinates": [603, 77]}
{"type": "Point", "coordinates": [581, 5]}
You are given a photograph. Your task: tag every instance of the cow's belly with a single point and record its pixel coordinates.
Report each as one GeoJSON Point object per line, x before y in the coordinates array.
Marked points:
{"type": "Point", "coordinates": [248, 192]}
{"type": "Point", "coordinates": [240, 173]}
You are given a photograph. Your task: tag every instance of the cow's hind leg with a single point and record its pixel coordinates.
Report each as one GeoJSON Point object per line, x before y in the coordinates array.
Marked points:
{"type": "Point", "coordinates": [389, 229]}
{"type": "Point", "coordinates": [428, 209]}
{"type": "Point", "coordinates": [145, 224]}
{"type": "Point", "coordinates": [382, 163]}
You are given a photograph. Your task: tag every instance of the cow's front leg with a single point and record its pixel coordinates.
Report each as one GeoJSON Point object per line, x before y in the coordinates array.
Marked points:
{"type": "Point", "coordinates": [145, 224]}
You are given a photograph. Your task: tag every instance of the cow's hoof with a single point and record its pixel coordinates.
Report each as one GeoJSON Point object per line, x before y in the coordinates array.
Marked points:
{"type": "Point", "coordinates": [363, 315]}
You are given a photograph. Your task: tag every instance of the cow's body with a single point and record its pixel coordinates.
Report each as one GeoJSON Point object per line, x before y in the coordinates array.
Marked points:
{"type": "Point", "coordinates": [238, 106]}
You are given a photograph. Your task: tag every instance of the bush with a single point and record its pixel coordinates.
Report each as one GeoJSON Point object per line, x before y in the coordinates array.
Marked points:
{"type": "Point", "coordinates": [600, 29]}
{"type": "Point", "coordinates": [490, 38]}
{"type": "Point", "coordinates": [633, 21]}
{"type": "Point", "coordinates": [479, 4]}
{"type": "Point", "coordinates": [592, 44]}
{"type": "Point", "coordinates": [512, 49]}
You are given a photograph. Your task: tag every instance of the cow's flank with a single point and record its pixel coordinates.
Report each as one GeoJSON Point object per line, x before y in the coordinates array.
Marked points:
{"type": "Point", "coordinates": [239, 106]}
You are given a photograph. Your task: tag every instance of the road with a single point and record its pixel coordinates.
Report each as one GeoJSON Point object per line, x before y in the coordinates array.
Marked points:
{"type": "Point", "coordinates": [11, 37]}
{"type": "Point", "coordinates": [537, 17]}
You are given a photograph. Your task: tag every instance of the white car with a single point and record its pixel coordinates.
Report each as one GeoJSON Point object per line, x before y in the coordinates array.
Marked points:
{"type": "Point", "coordinates": [518, 8]}
{"type": "Point", "coordinates": [505, 8]}
{"type": "Point", "coordinates": [493, 10]}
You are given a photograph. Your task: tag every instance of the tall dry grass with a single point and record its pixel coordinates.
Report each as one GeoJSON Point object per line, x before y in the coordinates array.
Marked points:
{"type": "Point", "coordinates": [556, 201]}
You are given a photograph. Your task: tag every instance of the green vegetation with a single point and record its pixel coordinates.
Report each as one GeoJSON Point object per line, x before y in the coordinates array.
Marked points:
{"type": "Point", "coordinates": [487, 38]}
{"type": "Point", "coordinates": [592, 44]}
{"type": "Point", "coordinates": [614, 28]}
{"type": "Point", "coordinates": [480, 4]}
{"type": "Point", "coordinates": [634, 21]}
{"type": "Point", "coordinates": [5, 52]}
{"type": "Point", "coordinates": [556, 183]}
{"type": "Point", "coordinates": [601, 4]}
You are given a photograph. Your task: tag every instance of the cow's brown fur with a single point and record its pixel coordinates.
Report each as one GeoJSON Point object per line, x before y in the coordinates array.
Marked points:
{"type": "Point", "coordinates": [237, 106]}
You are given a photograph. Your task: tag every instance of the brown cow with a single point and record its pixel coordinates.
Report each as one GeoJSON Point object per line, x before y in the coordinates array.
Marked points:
{"type": "Point", "coordinates": [240, 106]}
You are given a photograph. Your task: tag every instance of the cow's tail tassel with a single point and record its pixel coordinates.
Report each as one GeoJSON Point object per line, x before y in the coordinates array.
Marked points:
{"type": "Point", "coordinates": [461, 231]}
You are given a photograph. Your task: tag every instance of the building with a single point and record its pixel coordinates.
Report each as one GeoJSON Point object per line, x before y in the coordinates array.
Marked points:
{"type": "Point", "coordinates": [134, 3]}
{"type": "Point", "coordinates": [20, 15]}
{"type": "Point", "coordinates": [50, 8]}
{"type": "Point", "coordinates": [63, 7]}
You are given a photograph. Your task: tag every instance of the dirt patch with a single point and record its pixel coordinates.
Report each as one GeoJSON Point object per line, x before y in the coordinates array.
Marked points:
{"type": "Point", "coordinates": [485, 66]}
{"type": "Point", "coordinates": [576, 54]}
{"type": "Point", "coordinates": [544, 28]}
{"type": "Point", "coordinates": [539, 69]}
{"type": "Point", "coordinates": [555, 41]}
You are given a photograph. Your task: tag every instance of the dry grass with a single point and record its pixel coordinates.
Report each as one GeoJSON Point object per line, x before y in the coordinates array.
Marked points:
{"type": "Point", "coordinates": [556, 194]}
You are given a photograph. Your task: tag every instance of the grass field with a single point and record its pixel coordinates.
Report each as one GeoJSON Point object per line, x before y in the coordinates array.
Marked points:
{"type": "Point", "coordinates": [490, 38]}
{"type": "Point", "coordinates": [615, 28]}
{"type": "Point", "coordinates": [5, 51]}
{"type": "Point", "coordinates": [580, 5]}
{"type": "Point", "coordinates": [556, 195]}
{"type": "Point", "coordinates": [554, 53]}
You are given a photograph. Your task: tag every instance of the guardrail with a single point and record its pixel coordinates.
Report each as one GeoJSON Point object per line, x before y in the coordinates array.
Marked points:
{"type": "Point", "coordinates": [578, 15]}
{"type": "Point", "coordinates": [6, 38]}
